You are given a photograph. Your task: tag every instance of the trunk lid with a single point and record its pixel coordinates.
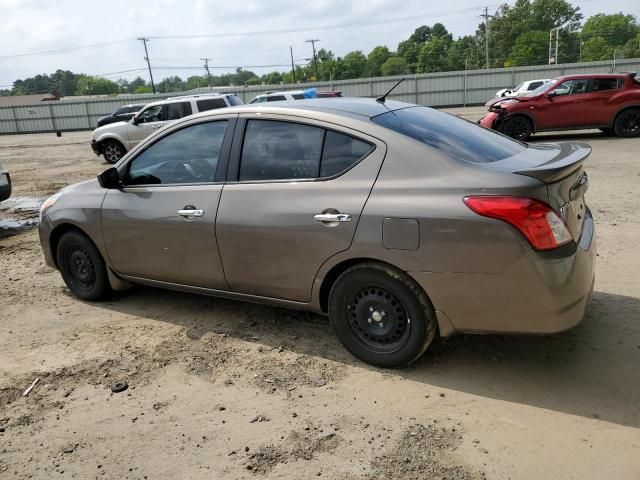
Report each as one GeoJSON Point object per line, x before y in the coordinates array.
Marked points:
{"type": "Point", "coordinates": [560, 167]}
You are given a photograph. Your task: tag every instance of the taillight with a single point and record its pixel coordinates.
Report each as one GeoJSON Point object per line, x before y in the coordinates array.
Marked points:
{"type": "Point", "coordinates": [537, 221]}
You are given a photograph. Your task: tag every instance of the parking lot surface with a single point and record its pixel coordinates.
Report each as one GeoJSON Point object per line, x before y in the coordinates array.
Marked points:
{"type": "Point", "coordinates": [226, 390]}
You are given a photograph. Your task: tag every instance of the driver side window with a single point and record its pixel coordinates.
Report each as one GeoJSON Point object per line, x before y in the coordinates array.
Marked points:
{"type": "Point", "coordinates": [189, 155]}
{"type": "Point", "coordinates": [571, 87]}
{"type": "Point", "coordinates": [152, 114]}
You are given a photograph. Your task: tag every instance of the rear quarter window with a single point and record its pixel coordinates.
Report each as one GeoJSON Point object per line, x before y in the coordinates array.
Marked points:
{"type": "Point", "coordinates": [453, 136]}
{"type": "Point", "coordinates": [210, 104]}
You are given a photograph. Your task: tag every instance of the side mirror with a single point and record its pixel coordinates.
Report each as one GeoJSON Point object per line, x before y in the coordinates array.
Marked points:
{"type": "Point", "coordinates": [551, 94]}
{"type": "Point", "coordinates": [134, 120]}
{"type": "Point", "coordinates": [110, 178]}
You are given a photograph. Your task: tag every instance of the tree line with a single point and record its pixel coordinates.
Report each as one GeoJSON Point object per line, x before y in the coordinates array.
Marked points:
{"type": "Point", "coordinates": [518, 35]}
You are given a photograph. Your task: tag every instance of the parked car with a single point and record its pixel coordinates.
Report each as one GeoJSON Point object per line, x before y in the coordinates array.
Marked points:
{"type": "Point", "coordinates": [398, 221]}
{"type": "Point", "coordinates": [5, 183]}
{"type": "Point", "coordinates": [114, 140]}
{"type": "Point", "coordinates": [295, 95]}
{"type": "Point", "coordinates": [522, 88]}
{"type": "Point", "coordinates": [123, 114]}
{"type": "Point", "coordinates": [608, 102]}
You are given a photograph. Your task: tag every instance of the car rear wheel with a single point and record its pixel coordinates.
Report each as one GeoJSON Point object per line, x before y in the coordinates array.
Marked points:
{"type": "Point", "coordinates": [381, 315]}
{"type": "Point", "coordinates": [112, 151]}
{"type": "Point", "coordinates": [627, 123]}
{"type": "Point", "coordinates": [82, 267]}
{"type": "Point", "coordinates": [518, 127]}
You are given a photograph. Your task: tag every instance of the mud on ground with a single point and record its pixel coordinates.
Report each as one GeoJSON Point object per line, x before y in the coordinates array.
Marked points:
{"type": "Point", "coordinates": [226, 390]}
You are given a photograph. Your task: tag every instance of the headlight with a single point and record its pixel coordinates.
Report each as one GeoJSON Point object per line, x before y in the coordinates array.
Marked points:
{"type": "Point", "coordinates": [49, 203]}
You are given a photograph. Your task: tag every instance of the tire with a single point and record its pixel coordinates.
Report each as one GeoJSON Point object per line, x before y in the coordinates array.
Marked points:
{"type": "Point", "coordinates": [518, 127]}
{"type": "Point", "coordinates": [627, 123]}
{"type": "Point", "coordinates": [82, 267]}
{"type": "Point", "coordinates": [381, 315]}
{"type": "Point", "coordinates": [112, 151]}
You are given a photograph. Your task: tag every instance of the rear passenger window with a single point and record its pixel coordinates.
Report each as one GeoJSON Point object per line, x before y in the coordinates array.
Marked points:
{"type": "Point", "coordinates": [275, 150]}
{"type": "Point", "coordinates": [533, 86]}
{"type": "Point", "coordinates": [210, 104]}
{"type": "Point", "coordinates": [341, 152]}
{"type": "Point", "coordinates": [276, 98]}
{"type": "Point", "coordinates": [176, 111]}
{"type": "Point", "coordinates": [600, 84]}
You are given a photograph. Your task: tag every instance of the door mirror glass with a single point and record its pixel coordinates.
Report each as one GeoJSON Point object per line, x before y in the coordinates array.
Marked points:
{"type": "Point", "coordinates": [110, 178]}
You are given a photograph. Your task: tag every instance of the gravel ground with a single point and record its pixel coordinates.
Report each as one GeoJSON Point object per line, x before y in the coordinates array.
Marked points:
{"type": "Point", "coordinates": [226, 390]}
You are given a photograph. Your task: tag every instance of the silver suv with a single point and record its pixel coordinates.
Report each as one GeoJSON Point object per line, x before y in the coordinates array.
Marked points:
{"type": "Point", "coordinates": [114, 140]}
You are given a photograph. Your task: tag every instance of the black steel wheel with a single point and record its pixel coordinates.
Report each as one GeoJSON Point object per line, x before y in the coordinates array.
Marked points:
{"type": "Point", "coordinates": [82, 266]}
{"type": "Point", "coordinates": [381, 315]}
{"type": "Point", "coordinates": [112, 151]}
{"type": "Point", "coordinates": [627, 123]}
{"type": "Point", "coordinates": [518, 127]}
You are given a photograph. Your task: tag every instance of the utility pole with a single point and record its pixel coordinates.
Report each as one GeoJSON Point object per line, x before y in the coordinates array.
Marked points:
{"type": "Point", "coordinates": [206, 67]}
{"type": "Point", "coordinates": [293, 67]}
{"type": "Point", "coordinates": [486, 17]}
{"type": "Point", "coordinates": [146, 53]}
{"type": "Point", "coordinates": [315, 62]}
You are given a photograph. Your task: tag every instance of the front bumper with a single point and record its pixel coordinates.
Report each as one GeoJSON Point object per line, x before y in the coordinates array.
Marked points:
{"type": "Point", "coordinates": [44, 232]}
{"type": "Point", "coordinates": [5, 186]}
{"type": "Point", "coordinates": [544, 292]}
{"type": "Point", "coordinates": [489, 120]}
{"type": "Point", "coordinates": [96, 147]}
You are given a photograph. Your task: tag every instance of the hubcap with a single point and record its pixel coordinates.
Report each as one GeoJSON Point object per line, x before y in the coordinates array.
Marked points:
{"type": "Point", "coordinates": [378, 319]}
{"type": "Point", "coordinates": [630, 122]}
{"type": "Point", "coordinates": [112, 152]}
{"type": "Point", "coordinates": [81, 268]}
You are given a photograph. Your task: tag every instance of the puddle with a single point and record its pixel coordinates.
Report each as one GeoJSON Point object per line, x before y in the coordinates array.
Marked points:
{"type": "Point", "coordinates": [18, 214]}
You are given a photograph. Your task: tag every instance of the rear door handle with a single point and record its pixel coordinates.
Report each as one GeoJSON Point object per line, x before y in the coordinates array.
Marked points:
{"type": "Point", "coordinates": [188, 213]}
{"type": "Point", "coordinates": [332, 217]}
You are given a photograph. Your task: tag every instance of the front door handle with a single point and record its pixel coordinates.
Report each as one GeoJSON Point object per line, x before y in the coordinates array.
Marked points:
{"type": "Point", "coordinates": [191, 212]}
{"type": "Point", "coordinates": [332, 217]}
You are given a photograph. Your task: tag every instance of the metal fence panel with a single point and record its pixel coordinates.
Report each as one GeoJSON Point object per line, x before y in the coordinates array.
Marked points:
{"type": "Point", "coordinates": [472, 87]}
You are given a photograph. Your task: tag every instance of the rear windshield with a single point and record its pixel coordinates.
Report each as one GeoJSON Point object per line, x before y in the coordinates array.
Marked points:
{"type": "Point", "coordinates": [234, 100]}
{"type": "Point", "coordinates": [453, 136]}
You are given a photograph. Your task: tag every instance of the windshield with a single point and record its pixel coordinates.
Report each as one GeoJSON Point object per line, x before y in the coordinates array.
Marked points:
{"type": "Point", "coordinates": [451, 135]}
{"type": "Point", "coordinates": [541, 89]}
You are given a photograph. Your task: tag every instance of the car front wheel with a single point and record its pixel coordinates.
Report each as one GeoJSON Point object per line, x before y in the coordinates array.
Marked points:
{"type": "Point", "coordinates": [627, 123]}
{"type": "Point", "coordinates": [112, 151]}
{"type": "Point", "coordinates": [381, 315]}
{"type": "Point", "coordinates": [518, 127]}
{"type": "Point", "coordinates": [82, 267]}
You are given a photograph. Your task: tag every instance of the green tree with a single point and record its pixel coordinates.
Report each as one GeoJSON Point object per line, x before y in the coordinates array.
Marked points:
{"type": "Point", "coordinates": [463, 53]}
{"type": "Point", "coordinates": [394, 65]}
{"type": "Point", "coordinates": [433, 55]}
{"type": "Point", "coordinates": [143, 89]}
{"type": "Point", "coordinates": [531, 48]}
{"type": "Point", "coordinates": [509, 22]}
{"type": "Point", "coordinates": [376, 59]}
{"type": "Point", "coordinates": [354, 64]}
{"type": "Point", "coordinates": [88, 85]}
{"type": "Point", "coordinates": [602, 34]}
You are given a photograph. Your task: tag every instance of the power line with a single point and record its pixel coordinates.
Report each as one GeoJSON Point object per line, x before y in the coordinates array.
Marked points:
{"type": "Point", "coordinates": [384, 21]}
{"type": "Point", "coordinates": [66, 50]}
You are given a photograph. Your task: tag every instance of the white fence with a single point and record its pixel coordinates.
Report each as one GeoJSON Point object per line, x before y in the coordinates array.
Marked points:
{"type": "Point", "coordinates": [472, 87]}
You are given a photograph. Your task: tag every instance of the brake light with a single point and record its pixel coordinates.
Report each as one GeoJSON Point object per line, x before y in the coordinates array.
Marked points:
{"type": "Point", "coordinates": [537, 221]}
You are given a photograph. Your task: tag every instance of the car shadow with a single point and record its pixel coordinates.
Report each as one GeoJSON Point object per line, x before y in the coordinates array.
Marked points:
{"type": "Point", "coordinates": [589, 371]}
{"type": "Point", "coordinates": [582, 135]}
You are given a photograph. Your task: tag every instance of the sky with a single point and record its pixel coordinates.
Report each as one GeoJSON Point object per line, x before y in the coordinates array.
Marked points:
{"type": "Point", "coordinates": [34, 26]}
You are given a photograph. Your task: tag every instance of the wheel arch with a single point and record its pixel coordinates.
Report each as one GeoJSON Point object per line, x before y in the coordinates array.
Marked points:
{"type": "Point", "coordinates": [621, 110]}
{"type": "Point", "coordinates": [522, 114]}
{"type": "Point", "coordinates": [57, 233]}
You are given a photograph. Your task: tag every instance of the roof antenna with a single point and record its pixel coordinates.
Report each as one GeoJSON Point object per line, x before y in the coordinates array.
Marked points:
{"type": "Point", "coordinates": [384, 97]}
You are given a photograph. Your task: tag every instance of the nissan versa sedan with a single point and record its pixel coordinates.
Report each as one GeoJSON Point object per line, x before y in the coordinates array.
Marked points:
{"type": "Point", "coordinates": [399, 222]}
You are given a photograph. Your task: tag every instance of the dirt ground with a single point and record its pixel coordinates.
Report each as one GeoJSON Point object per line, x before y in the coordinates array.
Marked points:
{"type": "Point", "coordinates": [227, 390]}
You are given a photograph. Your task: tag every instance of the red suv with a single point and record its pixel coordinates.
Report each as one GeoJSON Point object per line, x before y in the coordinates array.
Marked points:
{"type": "Point", "coordinates": [608, 102]}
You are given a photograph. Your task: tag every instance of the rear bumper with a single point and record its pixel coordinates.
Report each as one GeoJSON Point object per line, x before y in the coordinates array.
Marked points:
{"type": "Point", "coordinates": [544, 292]}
